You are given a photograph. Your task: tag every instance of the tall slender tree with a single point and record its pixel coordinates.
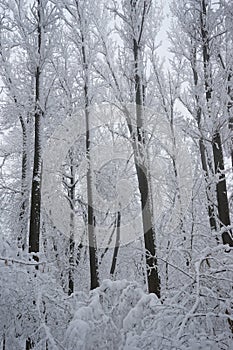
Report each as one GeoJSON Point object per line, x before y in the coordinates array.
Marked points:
{"type": "Point", "coordinates": [202, 37]}
{"type": "Point", "coordinates": [35, 213]}
{"type": "Point", "coordinates": [80, 26]}
{"type": "Point", "coordinates": [7, 37]}
{"type": "Point", "coordinates": [135, 19]}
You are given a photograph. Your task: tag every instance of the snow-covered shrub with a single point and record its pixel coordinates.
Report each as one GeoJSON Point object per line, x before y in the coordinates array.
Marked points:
{"type": "Point", "coordinates": [119, 314]}
{"type": "Point", "coordinates": [32, 304]}
{"type": "Point", "coordinates": [196, 316]}
{"type": "Point", "coordinates": [107, 315]}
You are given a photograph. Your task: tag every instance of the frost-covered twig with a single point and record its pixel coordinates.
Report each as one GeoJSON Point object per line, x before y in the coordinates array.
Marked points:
{"type": "Point", "coordinates": [15, 261]}
{"type": "Point", "coordinates": [195, 305]}
{"type": "Point", "coordinates": [177, 268]}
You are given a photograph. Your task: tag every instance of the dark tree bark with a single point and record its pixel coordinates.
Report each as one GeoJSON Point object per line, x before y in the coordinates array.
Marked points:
{"type": "Point", "coordinates": [93, 257]}
{"type": "Point", "coordinates": [29, 344]}
{"type": "Point", "coordinates": [223, 206]}
{"type": "Point", "coordinates": [90, 213]}
{"type": "Point", "coordinates": [24, 164]}
{"type": "Point", "coordinates": [23, 221]}
{"type": "Point", "coordinates": [229, 104]}
{"type": "Point", "coordinates": [34, 231]}
{"type": "Point", "coordinates": [71, 195]}
{"type": "Point", "coordinates": [142, 170]}
{"type": "Point", "coordinates": [4, 342]}
{"type": "Point", "coordinates": [153, 279]}
{"type": "Point", "coordinates": [221, 188]}
{"type": "Point", "coordinates": [210, 203]}
{"type": "Point", "coordinates": [117, 243]}
{"type": "Point", "coordinates": [35, 212]}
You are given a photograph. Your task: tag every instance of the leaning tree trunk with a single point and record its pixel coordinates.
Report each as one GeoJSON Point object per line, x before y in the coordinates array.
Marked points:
{"type": "Point", "coordinates": [117, 244]}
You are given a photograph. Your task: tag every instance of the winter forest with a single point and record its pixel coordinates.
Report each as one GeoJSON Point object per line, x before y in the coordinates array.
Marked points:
{"type": "Point", "coordinates": [116, 174]}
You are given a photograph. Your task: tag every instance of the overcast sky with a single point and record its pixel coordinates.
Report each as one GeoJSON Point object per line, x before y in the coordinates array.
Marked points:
{"type": "Point", "coordinates": [162, 35]}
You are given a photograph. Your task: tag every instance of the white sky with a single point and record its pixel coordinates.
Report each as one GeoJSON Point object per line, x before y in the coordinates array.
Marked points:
{"type": "Point", "coordinates": [162, 35]}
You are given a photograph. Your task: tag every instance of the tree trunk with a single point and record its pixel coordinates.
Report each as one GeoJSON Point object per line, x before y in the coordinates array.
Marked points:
{"type": "Point", "coordinates": [91, 225]}
{"type": "Point", "coordinates": [34, 229]}
{"type": "Point", "coordinates": [142, 170]}
{"type": "Point", "coordinates": [4, 342]}
{"type": "Point", "coordinates": [29, 344]}
{"type": "Point", "coordinates": [221, 188]}
{"type": "Point", "coordinates": [210, 202]}
{"type": "Point", "coordinates": [90, 214]}
{"type": "Point", "coordinates": [34, 232]}
{"type": "Point", "coordinates": [72, 228]}
{"type": "Point", "coordinates": [223, 207]}
{"type": "Point", "coordinates": [117, 244]}
{"type": "Point", "coordinates": [22, 237]}
{"type": "Point", "coordinates": [23, 222]}
{"type": "Point", "coordinates": [153, 279]}
{"type": "Point", "coordinates": [90, 210]}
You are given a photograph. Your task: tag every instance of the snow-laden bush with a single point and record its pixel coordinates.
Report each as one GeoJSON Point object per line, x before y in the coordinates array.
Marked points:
{"type": "Point", "coordinates": [108, 315]}
{"type": "Point", "coordinates": [120, 315]}
{"type": "Point", "coordinates": [32, 304]}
